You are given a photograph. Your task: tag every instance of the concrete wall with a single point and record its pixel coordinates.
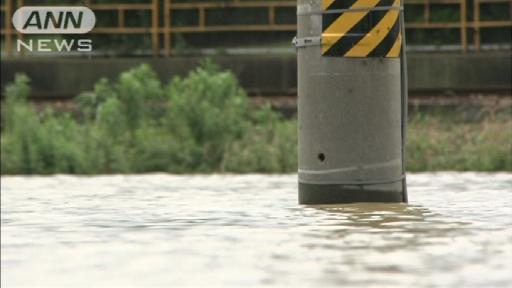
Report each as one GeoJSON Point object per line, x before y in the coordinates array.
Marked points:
{"type": "Point", "coordinates": [260, 75]}
{"type": "Point", "coordinates": [459, 72]}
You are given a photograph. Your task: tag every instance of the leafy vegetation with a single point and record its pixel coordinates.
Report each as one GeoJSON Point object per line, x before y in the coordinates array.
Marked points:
{"type": "Point", "coordinates": [204, 123]}
{"type": "Point", "coordinates": [200, 123]}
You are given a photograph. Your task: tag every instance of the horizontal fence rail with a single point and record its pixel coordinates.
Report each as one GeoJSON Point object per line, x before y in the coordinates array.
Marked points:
{"type": "Point", "coordinates": [161, 28]}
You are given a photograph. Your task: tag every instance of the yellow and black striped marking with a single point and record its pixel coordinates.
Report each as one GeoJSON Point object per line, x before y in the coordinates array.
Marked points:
{"type": "Point", "coordinates": [362, 32]}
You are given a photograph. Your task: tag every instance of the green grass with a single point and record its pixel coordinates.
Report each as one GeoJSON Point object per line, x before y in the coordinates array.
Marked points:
{"type": "Point", "coordinates": [203, 123]}
{"type": "Point", "coordinates": [444, 143]}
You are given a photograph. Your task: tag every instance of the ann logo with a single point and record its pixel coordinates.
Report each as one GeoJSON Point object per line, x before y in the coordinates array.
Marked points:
{"type": "Point", "coordinates": [63, 20]}
{"type": "Point", "coordinates": [53, 20]}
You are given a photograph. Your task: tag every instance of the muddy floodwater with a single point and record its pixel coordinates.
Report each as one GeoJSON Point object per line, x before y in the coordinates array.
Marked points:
{"type": "Point", "coordinates": [239, 231]}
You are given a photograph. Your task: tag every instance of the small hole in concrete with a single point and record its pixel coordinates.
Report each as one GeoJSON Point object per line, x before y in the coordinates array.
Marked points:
{"type": "Point", "coordinates": [321, 157]}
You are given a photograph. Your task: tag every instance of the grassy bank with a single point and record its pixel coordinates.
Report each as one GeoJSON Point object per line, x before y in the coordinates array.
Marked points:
{"type": "Point", "coordinates": [439, 142]}
{"type": "Point", "coordinates": [204, 123]}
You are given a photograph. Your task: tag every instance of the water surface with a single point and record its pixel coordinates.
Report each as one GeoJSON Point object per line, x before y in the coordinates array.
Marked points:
{"type": "Point", "coordinates": [225, 230]}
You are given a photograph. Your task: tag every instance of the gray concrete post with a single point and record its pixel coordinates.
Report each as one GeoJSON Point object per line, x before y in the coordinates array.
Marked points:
{"type": "Point", "coordinates": [352, 101]}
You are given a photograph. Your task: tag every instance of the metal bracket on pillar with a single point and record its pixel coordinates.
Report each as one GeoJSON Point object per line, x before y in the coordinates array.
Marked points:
{"type": "Point", "coordinates": [306, 41]}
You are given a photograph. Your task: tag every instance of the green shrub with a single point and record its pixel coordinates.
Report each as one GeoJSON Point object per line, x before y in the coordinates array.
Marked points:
{"type": "Point", "coordinates": [21, 129]}
{"type": "Point", "coordinates": [211, 108]}
{"type": "Point", "coordinates": [35, 142]}
{"type": "Point", "coordinates": [270, 145]}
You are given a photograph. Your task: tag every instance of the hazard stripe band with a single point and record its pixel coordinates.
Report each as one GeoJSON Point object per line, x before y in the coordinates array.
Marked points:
{"type": "Point", "coordinates": [350, 10]}
{"type": "Point", "coordinates": [362, 30]}
{"type": "Point", "coordinates": [347, 4]}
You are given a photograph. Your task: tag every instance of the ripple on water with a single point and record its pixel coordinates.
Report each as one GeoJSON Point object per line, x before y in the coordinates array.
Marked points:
{"type": "Point", "coordinates": [226, 230]}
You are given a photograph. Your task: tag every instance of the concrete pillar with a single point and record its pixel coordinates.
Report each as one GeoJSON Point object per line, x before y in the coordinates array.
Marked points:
{"type": "Point", "coordinates": [352, 101]}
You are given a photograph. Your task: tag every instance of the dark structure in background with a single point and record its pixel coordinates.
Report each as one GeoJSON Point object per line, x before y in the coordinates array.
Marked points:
{"type": "Point", "coordinates": [457, 46]}
{"type": "Point", "coordinates": [430, 74]}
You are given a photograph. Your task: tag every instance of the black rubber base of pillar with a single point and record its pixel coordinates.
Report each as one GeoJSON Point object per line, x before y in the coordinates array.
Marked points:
{"type": "Point", "coordinates": [337, 194]}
